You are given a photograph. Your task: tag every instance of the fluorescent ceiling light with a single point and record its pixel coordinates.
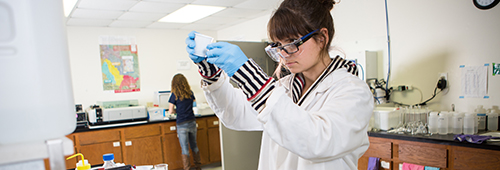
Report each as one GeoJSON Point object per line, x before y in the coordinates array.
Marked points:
{"type": "Point", "coordinates": [68, 6]}
{"type": "Point", "coordinates": [191, 13]}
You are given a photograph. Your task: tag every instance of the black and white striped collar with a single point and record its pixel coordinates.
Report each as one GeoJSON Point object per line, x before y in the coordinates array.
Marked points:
{"type": "Point", "coordinates": [298, 81]}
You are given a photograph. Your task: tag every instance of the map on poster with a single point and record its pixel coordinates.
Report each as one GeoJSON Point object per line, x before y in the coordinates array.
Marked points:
{"type": "Point", "coordinates": [119, 64]}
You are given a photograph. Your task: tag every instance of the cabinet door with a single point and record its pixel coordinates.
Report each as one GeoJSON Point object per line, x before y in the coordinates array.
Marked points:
{"type": "Point", "coordinates": [214, 144]}
{"type": "Point", "coordinates": [142, 131]}
{"type": "Point", "coordinates": [202, 142]}
{"type": "Point", "coordinates": [172, 151]}
{"type": "Point", "coordinates": [94, 152]}
{"type": "Point", "coordinates": [473, 158]}
{"type": "Point", "coordinates": [143, 151]}
{"type": "Point", "coordinates": [100, 136]}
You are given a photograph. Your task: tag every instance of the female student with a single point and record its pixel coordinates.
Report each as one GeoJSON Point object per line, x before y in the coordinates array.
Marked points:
{"type": "Point", "coordinates": [182, 98]}
{"type": "Point", "coordinates": [314, 118]}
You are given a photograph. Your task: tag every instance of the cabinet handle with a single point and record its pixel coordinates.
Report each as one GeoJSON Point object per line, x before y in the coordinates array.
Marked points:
{"type": "Point", "coordinates": [216, 122]}
{"type": "Point", "coordinates": [172, 128]}
{"type": "Point", "coordinates": [128, 143]}
{"type": "Point", "coordinates": [116, 144]}
{"type": "Point", "coordinates": [197, 125]}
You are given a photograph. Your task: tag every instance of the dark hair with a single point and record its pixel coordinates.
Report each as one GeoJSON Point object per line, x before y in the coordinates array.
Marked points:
{"type": "Point", "coordinates": [295, 18]}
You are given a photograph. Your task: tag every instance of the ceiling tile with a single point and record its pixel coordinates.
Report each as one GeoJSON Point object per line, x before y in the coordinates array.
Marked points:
{"type": "Point", "coordinates": [88, 22]}
{"type": "Point", "coordinates": [166, 25]}
{"type": "Point", "coordinates": [97, 14]}
{"type": "Point", "coordinates": [141, 16]}
{"type": "Point", "coordinates": [130, 24]}
{"type": "Point", "coordinates": [107, 4]}
{"type": "Point", "coordinates": [159, 7]}
{"type": "Point", "coordinates": [216, 20]}
{"type": "Point", "coordinates": [236, 13]}
{"type": "Point", "coordinates": [200, 26]}
{"type": "Point", "coordinates": [226, 3]}
{"type": "Point", "coordinates": [258, 4]}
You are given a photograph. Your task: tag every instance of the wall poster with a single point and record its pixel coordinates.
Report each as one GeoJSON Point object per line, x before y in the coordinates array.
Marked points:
{"type": "Point", "coordinates": [119, 64]}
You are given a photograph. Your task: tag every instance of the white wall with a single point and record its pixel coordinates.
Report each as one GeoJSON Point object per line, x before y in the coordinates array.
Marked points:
{"type": "Point", "coordinates": [428, 37]}
{"type": "Point", "coordinates": [158, 51]}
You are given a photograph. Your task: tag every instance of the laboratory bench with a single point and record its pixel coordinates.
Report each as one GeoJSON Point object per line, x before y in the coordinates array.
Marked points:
{"type": "Point", "coordinates": [148, 143]}
{"type": "Point", "coordinates": [440, 151]}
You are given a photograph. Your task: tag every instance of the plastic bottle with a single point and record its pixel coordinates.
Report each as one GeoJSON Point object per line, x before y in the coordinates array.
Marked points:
{"type": "Point", "coordinates": [492, 120]}
{"type": "Point", "coordinates": [109, 161]}
{"type": "Point", "coordinates": [443, 123]}
{"type": "Point", "coordinates": [458, 123]}
{"type": "Point", "coordinates": [433, 123]}
{"type": "Point", "coordinates": [469, 123]}
{"type": "Point", "coordinates": [481, 117]}
{"type": "Point", "coordinates": [195, 109]}
{"type": "Point", "coordinates": [83, 164]}
{"type": "Point", "coordinates": [450, 121]}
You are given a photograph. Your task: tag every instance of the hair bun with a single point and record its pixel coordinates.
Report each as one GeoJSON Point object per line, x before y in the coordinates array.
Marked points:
{"type": "Point", "coordinates": [328, 3]}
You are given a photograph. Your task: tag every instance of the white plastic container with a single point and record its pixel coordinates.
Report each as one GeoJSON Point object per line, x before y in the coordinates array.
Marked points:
{"type": "Point", "coordinates": [469, 123]}
{"type": "Point", "coordinates": [433, 123]}
{"type": "Point", "coordinates": [492, 121]}
{"type": "Point", "coordinates": [450, 121]}
{"type": "Point", "coordinates": [458, 123]}
{"type": "Point", "coordinates": [481, 117]}
{"type": "Point", "coordinates": [443, 123]}
{"type": "Point", "coordinates": [386, 118]}
{"type": "Point", "coordinates": [36, 93]}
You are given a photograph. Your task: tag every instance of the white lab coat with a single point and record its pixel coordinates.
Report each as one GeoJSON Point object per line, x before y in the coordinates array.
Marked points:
{"type": "Point", "coordinates": [328, 131]}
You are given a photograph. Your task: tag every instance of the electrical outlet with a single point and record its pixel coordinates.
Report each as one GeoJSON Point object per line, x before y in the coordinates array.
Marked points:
{"type": "Point", "coordinates": [445, 75]}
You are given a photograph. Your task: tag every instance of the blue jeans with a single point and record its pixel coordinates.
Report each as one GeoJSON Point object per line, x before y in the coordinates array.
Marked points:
{"type": "Point", "coordinates": [186, 132]}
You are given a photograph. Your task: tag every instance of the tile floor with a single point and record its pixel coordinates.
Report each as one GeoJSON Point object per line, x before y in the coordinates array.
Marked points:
{"type": "Point", "coordinates": [214, 166]}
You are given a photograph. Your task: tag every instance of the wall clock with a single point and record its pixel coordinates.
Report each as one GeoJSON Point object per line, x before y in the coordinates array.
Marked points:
{"type": "Point", "coordinates": [485, 4]}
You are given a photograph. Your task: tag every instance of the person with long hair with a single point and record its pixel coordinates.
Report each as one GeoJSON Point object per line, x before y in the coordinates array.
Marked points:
{"type": "Point", "coordinates": [314, 118]}
{"type": "Point", "coordinates": [183, 98]}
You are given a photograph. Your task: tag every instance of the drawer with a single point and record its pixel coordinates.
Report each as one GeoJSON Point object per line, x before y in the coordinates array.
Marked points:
{"type": "Point", "coordinates": [423, 154]}
{"type": "Point", "coordinates": [169, 127]}
{"type": "Point", "coordinates": [201, 123]}
{"type": "Point", "coordinates": [212, 122]}
{"type": "Point", "coordinates": [381, 148]}
{"type": "Point", "coordinates": [100, 136]}
{"type": "Point", "coordinates": [142, 131]}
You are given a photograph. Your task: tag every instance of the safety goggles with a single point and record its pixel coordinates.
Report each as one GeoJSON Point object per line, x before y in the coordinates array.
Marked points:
{"type": "Point", "coordinates": [274, 51]}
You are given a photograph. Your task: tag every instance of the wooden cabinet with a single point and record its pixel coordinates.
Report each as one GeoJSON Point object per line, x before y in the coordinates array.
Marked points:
{"type": "Point", "coordinates": [423, 154]}
{"type": "Point", "coordinates": [171, 146]}
{"type": "Point", "coordinates": [147, 144]}
{"type": "Point", "coordinates": [143, 151]}
{"type": "Point", "coordinates": [201, 140]}
{"type": "Point", "coordinates": [429, 154]}
{"type": "Point", "coordinates": [94, 144]}
{"type": "Point", "coordinates": [472, 158]}
{"type": "Point", "coordinates": [213, 139]}
{"type": "Point", "coordinates": [142, 145]}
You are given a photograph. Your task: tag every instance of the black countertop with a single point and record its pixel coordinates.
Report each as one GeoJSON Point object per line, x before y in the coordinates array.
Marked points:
{"type": "Point", "coordinates": [436, 139]}
{"type": "Point", "coordinates": [127, 124]}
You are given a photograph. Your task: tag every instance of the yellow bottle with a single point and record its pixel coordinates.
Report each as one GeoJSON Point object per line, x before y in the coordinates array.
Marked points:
{"type": "Point", "coordinates": [83, 164]}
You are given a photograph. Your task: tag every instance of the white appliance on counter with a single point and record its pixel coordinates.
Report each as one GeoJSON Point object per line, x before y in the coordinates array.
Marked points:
{"type": "Point", "coordinates": [98, 116]}
{"type": "Point", "coordinates": [156, 113]}
{"type": "Point", "coordinates": [386, 118]}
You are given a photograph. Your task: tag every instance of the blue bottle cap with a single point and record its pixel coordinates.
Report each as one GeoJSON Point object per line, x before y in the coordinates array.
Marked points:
{"type": "Point", "coordinates": [108, 157]}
